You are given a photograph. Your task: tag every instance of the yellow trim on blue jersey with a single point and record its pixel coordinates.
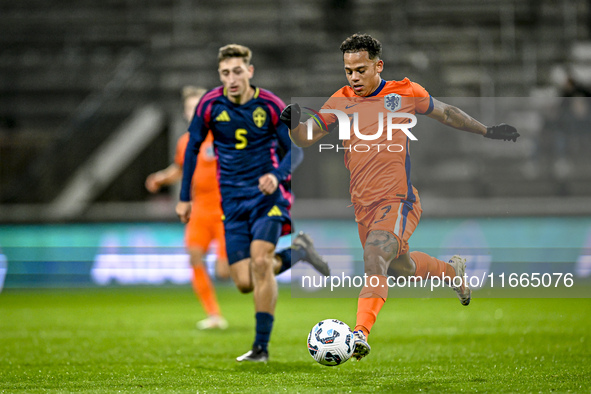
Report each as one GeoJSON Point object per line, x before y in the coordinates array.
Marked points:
{"type": "Point", "coordinates": [223, 117]}
{"type": "Point", "coordinates": [256, 92]}
{"type": "Point", "coordinates": [275, 211]}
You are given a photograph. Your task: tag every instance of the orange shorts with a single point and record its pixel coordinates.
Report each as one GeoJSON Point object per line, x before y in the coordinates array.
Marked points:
{"type": "Point", "coordinates": [204, 227]}
{"type": "Point", "coordinates": [396, 216]}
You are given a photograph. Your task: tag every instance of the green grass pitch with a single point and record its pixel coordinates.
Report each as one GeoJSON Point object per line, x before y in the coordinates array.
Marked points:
{"type": "Point", "coordinates": [144, 340]}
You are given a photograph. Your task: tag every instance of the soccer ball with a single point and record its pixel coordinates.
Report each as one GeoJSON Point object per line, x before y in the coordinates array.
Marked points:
{"type": "Point", "coordinates": [331, 342]}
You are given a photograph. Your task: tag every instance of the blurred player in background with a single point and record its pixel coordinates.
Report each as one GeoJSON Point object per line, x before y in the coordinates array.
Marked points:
{"type": "Point", "coordinates": [387, 206]}
{"type": "Point", "coordinates": [256, 199]}
{"type": "Point", "coordinates": [205, 224]}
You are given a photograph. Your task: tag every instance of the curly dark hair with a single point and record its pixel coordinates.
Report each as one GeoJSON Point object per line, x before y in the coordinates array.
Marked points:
{"type": "Point", "coordinates": [363, 42]}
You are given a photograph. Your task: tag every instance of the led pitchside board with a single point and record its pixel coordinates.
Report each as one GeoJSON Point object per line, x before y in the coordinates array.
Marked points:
{"type": "Point", "coordinates": [153, 254]}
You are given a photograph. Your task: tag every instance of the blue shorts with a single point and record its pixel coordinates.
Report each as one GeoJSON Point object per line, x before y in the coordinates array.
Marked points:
{"type": "Point", "coordinates": [263, 218]}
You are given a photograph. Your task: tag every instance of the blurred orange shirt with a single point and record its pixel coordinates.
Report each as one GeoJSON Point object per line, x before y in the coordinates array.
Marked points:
{"type": "Point", "coordinates": [205, 188]}
{"type": "Point", "coordinates": [376, 172]}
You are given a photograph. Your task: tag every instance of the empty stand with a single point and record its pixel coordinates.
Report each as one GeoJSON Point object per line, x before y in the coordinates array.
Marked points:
{"type": "Point", "coordinates": [72, 71]}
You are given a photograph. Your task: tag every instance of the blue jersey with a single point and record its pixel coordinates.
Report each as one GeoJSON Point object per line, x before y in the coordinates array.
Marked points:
{"type": "Point", "coordinates": [247, 138]}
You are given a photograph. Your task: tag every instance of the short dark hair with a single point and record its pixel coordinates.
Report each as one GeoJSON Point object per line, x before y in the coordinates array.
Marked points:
{"type": "Point", "coordinates": [362, 42]}
{"type": "Point", "coordinates": [235, 50]}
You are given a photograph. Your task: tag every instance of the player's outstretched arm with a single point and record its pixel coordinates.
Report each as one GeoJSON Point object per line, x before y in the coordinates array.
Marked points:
{"type": "Point", "coordinates": [458, 119]}
{"type": "Point", "coordinates": [183, 207]}
{"type": "Point", "coordinates": [290, 116]}
{"type": "Point", "coordinates": [168, 176]}
{"type": "Point", "coordinates": [183, 211]}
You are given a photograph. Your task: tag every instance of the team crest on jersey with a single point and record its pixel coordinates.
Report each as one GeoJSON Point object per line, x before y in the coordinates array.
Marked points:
{"type": "Point", "coordinates": [392, 102]}
{"type": "Point", "coordinates": [259, 116]}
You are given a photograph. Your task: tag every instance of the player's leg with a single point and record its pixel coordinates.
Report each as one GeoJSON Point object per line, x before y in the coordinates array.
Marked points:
{"type": "Point", "coordinates": [262, 264]}
{"type": "Point", "coordinates": [197, 239]}
{"type": "Point", "coordinates": [302, 249]}
{"type": "Point", "coordinates": [425, 267]}
{"type": "Point", "coordinates": [241, 274]}
{"type": "Point", "coordinates": [265, 290]}
{"type": "Point", "coordinates": [205, 291]}
{"type": "Point", "coordinates": [419, 264]}
{"type": "Point", "coordinates": [380, 249]}
{"type": "Point", "coordinates": [428, 267]}
{"type": "Point", "coordinates": [222, 268]}
{"type": "Point", "coordinates": [266, 226]}
{"type": "Point", "coordinates": [384, 233]}
{"type": "Point", "coordinates": [237, 240]}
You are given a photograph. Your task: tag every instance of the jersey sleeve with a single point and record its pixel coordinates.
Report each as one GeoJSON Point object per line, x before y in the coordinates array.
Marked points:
{"type": "Point", "coordinates": [197, 132]}
{"type": "Point", "coordinates": [327, 121]}
{"type": "Point", "coordinates": [181, 146]}
{"type": "Point", "coordinates": [423, 100]}
{"type": "Point", "coordinates": [293, 154]}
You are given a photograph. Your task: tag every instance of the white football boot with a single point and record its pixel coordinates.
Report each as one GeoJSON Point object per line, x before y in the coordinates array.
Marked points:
{"type": "Point", "coordinates": [463, 291]}
{"type": "Point", "coordinates": [213, 323]}
{"type": "Point", "coordinates": [362, 348]}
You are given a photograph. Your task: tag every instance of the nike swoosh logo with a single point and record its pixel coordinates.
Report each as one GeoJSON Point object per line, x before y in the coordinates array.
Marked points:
{"type": "Point", "coordinates": [350, 105]}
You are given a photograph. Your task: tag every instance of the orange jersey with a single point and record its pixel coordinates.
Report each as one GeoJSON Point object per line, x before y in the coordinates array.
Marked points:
{"type": "Point", "coordinates": [205, 187]}
{"type": "Point", "coordinates": [380, 166]}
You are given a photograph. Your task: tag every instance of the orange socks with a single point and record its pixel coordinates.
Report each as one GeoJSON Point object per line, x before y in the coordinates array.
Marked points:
{"type": "Point", "coordinates": [370, 302]}
{"type": "Point", "coordinates": [371, 299]}
{"type": "Point", "coordinates": [428, 266]}
{"type": "Point", "coordinates": [205, 291]}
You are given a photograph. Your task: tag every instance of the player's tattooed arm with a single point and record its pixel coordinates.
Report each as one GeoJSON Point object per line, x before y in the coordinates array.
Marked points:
{"type": "Point", "coordinates": [456, 118]}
